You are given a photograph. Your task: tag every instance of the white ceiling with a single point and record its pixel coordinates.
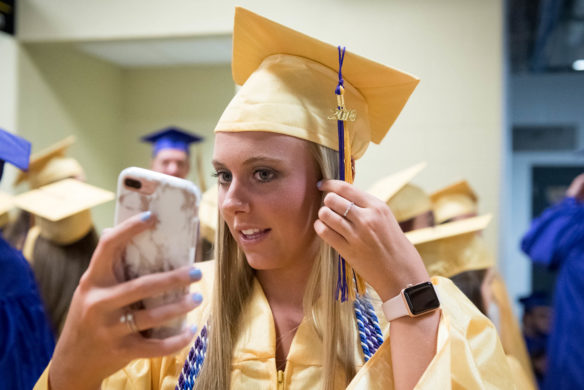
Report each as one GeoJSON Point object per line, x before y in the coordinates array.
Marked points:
{"type": "Point", "coordinates": [162, 52]}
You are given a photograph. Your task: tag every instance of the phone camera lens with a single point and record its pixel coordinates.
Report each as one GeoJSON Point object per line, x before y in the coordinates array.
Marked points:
{"type": "Point", "coordinates": [133, 183]}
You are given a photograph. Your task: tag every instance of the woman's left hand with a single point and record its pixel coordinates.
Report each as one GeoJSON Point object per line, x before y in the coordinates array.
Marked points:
{"type": "Point", "coordinates": [364, 231]}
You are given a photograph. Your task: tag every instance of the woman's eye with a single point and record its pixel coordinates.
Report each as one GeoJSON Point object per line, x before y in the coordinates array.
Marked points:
{"type": "Point", "coordinates": [223, 177]}
{"type": "Point", "coordinates": [264, 175]}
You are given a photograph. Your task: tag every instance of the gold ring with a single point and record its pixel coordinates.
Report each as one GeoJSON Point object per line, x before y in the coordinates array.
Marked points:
{"type": "Point", "coordinates": [349, 207]}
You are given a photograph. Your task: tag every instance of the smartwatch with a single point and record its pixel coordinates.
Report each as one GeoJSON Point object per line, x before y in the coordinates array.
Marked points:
{"type": "Point", "coordinates": [412, 301]}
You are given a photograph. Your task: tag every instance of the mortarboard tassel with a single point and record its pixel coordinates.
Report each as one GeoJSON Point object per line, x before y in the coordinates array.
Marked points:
{"type": "Point", "coordinates": [348, 282]}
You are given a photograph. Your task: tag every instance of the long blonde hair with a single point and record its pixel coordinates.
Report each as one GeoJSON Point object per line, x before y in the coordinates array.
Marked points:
{"type": "Point", "coordinates": [332, 320]}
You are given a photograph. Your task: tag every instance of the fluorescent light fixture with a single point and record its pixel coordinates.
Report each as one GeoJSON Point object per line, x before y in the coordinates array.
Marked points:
{"type": "Point", "coordinates": [578, 65]}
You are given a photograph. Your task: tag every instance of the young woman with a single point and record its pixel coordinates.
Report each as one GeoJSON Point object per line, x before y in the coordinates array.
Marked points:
{"type": "Point", "coordinates": [273, 318]}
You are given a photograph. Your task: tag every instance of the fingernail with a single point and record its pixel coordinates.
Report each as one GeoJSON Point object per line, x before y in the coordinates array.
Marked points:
{"type": "Point", "coordinates": [319, 183]}
{"type": "Point", "coordinates": [195, 274]}
{"type": "Point", "coordinates": [197, 298]}
{"type": "Point", "coordinates": [146, 216]}
{"type": "Point", "coordinates": [194, 329]}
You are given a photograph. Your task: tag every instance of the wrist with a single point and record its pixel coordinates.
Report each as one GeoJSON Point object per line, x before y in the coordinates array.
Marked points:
{"type": "Point", "coordinates": [58, 380]}
{"type": "Point", "coordinates": [393, 284]}
{"type": "Point", "coordinates": [413, 301]}
{"type": "Point", "coordinates": [404, 267]}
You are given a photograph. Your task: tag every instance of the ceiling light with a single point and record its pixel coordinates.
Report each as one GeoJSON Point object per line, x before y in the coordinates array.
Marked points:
{"type": "Point", "coordinates": [578, 65]}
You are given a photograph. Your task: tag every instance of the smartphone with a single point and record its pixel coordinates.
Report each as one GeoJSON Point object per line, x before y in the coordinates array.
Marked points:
{"type": "Point", "coordinates": [170, 244]}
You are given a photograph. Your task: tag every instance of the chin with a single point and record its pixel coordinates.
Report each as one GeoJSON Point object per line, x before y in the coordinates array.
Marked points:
{"type": "Point", "coordinates": [261, 262]}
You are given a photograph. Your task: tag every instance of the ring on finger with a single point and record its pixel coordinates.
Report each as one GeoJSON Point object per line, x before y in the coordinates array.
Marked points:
{"type": "Point", "coordinates": [349, 207]}
{"type": "Point", "coordinates": [128, 319]}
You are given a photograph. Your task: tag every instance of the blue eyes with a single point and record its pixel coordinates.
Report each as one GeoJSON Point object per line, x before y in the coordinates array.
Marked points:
{"type": "Point", "coordinates": [262, 175]}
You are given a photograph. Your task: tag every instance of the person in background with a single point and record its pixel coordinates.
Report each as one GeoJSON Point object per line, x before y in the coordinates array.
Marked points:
{"type": "Point", "coordinates": [483, 284]}
{"type": "Point", "coordinates": [47, 166]}
{"type": "Point", "coordinates": [62, 240]}
{"type": "Point", "coordinates": [454, 248]}
{"type": "Point", "coordinates": [26, 340]}
{"type": "Point", "coordinates": [171, 155]}
{"type": "Point", "coordinates": [171, 151]}
{"type": "Point", "coordinates": [454, 202]}
{"type": "Point", "coordinates": [58, 246]}
{"type": "Point", "coordinates": [409, 203]}
{"type": "Point", "coordinates": [456, 251]}
{"type": "Point", "coordinates": [536, 321]}
{"type": "Point", "coordinates": [556, 241]}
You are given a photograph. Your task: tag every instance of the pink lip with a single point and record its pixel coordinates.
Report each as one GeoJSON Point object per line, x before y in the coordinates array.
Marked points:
{"type": "Point", "coordinates": [253, 238]}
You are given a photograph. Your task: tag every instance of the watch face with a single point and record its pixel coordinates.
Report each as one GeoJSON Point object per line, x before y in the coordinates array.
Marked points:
{"type": "Point", "coordinates": [421, 298]}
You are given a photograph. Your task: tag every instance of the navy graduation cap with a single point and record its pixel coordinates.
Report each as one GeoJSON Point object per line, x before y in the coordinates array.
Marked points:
{"type": "Point", "coordinates": [171, 138]}
{"type": "Point", "coordinates": [13, 149]}
{"type": "Point", "coordinates": [537, 298]}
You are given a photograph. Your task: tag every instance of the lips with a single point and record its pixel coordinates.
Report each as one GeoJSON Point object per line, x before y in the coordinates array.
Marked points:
{"type": "Point", "coordinates": [253, 234]}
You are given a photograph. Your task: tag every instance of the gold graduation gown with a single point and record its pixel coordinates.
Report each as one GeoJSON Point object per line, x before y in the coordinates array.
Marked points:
{"type": "Point", "coordinates": [511, 336]}
{"type": "Point", "coordinates": [468, 352]}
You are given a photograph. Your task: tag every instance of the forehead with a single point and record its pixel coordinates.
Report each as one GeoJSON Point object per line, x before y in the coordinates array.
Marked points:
{"type": "Point", "coordinates": [234, 145]}
{"type": "Point", "coordinates": [171, 154]}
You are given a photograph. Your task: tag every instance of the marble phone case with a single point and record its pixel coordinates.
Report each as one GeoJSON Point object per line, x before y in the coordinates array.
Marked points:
{"type": "Point", "coordinates": [170, 244]}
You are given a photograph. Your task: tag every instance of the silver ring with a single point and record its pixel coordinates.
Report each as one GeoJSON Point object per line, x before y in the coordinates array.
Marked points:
{"type": "Point", "coordinates": [128, 319]}
{"type": "Point", "coordinates": [349, 207]}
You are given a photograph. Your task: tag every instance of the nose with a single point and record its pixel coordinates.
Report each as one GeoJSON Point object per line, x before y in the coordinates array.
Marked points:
{"type": "Point", "coordinates": [172, 169]}
{"type": "Point", "coordinates": [234, 199]}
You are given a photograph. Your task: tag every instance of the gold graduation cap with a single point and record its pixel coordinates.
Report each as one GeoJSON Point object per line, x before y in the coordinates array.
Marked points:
{"type": "Point", "coordinates": [453, 247]}
{"type": "Point", "coordinates": [208, 213]}
{"type": "Point", "coordinates": [62, 209]}
{"type": "Point", "coordinates": [409, 202]}
{"type": "Point", "coordinates": [455, 200]}
{"type": "Point", "coordinates": [51, 165]}
{"type": "Point", "coordinates": [288, 86]}
{"type": "Point", "coordinates": [6, 204]}
{"type": "Point", "coordinates": [296, 85]}
{"type": "Point", "coordinates": [404, 199]}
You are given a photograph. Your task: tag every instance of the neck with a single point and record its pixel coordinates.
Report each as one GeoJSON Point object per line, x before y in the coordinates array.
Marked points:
{"type": "Point", "coordinates": [285, 286]}
{"type": "Point", "coordinates": [284, 289]}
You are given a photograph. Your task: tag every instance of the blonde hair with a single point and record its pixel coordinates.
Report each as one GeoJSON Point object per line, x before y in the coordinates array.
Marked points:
{"type": "Point", "coordinates": [333, 321]}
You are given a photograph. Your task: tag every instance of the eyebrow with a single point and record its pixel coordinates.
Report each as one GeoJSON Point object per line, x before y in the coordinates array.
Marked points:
{"type": "Point", "coordinates": [252, 160]}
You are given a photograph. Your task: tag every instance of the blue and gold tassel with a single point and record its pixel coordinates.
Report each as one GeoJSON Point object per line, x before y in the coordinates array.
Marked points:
{"type": "Point", "coordinates": [349, 283]}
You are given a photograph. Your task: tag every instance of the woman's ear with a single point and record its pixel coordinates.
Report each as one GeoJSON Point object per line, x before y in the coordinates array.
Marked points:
{"type": "Point", "coordinates": [353, 168]}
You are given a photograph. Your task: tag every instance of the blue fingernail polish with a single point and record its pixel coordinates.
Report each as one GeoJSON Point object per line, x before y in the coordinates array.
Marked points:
{"type": "Point", "coordinates": [146, 216]}
{"type": "Point", "coordinates": [319, 183]}
{"type": "Point", "coordinates": [194, 329]}
{"type": "Point", "coordinates": [198, 298]}
{"type": "Point", "coordinates": [195, 274]}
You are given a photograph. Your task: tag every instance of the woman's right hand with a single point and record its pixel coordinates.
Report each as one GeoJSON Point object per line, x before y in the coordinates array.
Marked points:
{"type": "Point", "coordinates": [576, 189]}
{"type": "Point", "coordinates": [95, 343]}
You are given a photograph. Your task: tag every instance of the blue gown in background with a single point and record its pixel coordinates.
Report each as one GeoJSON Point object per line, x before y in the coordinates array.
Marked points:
{"type": "Point", "coordinates": [26, 340]}
{"type": "Point", "coordinates": [556, 240]}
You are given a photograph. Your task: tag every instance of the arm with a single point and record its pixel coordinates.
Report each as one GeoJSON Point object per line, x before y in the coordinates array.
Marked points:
{"type": "Point", "coordinates": [95, 343]}
{"type": "Point", "coordinates": [370, 239]}
{"type": "Point", "coordinates": [576, 189]}
{"type": "Point", "coordinates": [557, 229]}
